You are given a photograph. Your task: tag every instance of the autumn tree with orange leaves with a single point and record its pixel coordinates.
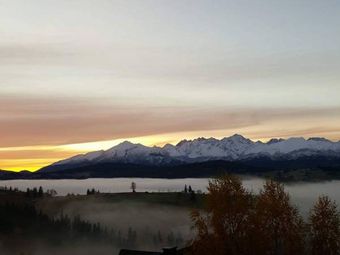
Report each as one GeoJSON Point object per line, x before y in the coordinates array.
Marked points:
{"type": "Point", "coordinates": [223, 228]}
{"type": "Point", "coordinates": [324, 227]}
{"type": "Point", "coordinates": [236, 222]}
{"type": "Point", "coordinates": [279, 229]}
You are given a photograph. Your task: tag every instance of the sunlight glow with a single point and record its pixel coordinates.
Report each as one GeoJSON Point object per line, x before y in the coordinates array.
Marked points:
{"type": "Point", "coordinates": [33, 164]}
{"type": "Point", "coordinates": [59, 152]}
{"type": "Point", "coordinates": [26, 164]}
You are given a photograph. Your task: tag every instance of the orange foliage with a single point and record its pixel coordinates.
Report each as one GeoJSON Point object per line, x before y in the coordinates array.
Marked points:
{"type": "Point", "coordinates": [279, 228]}
{"type": "Point", "coordinates": [223, 228]}
{"type": "Point", "coordinates": [325, 227]}
{"type": "Point", "coordinates": [236, 222]}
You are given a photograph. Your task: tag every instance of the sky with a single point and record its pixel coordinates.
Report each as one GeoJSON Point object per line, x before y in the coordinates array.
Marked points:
{"type": "Point", "coordinates": [84, 75]}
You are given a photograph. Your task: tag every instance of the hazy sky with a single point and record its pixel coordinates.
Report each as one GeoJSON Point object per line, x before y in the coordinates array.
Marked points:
{"type": "Point", "coordinates": [79, 75]}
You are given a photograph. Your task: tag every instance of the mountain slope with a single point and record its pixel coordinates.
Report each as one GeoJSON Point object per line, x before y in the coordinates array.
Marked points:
{"type": "Point", "coordinates": [233, 149]}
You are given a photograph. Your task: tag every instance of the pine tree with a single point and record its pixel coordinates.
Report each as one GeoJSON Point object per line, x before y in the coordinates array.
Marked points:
{"type": "Point", "coordinates": [133, 187]}
{"type": "Point", "coordinates": [40, 192]}
{"type": "Point", "coordinates": [190, 189]}
{"type": "Point", "coordinates": [35, 192]}
{"type": "Point", "coordinates": [28, 192]}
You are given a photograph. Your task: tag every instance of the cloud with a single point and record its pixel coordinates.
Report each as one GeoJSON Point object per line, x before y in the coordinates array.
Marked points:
{"type": "Point", "coordinates": [36, 131]}
{"type": "Point", "coordinates": [55, 121]}
{"type": "Point", "coordinates": [33, 53]}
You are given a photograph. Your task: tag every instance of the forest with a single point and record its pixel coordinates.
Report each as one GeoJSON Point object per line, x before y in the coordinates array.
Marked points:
{"type": "Point", "coordinates": [227, 219]}
{"type": "Point", "coordinates": [26, 230]}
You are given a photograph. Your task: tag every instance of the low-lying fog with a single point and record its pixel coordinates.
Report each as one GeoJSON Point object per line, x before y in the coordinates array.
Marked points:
{"type": "Point", "coordinates": [153, 225]}
{"type": "Point", "coordinates": [303, 193]}
{"type": "Point", "coordinates": [113, 185]}
{"type": "Point", "coordinates": [149, 221]}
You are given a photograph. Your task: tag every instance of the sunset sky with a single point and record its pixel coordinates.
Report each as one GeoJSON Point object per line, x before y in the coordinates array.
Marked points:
{"type": "Point", "coordinates": [80, 75]}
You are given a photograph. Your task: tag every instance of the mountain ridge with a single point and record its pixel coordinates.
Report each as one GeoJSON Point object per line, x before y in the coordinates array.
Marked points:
{"type": "Point", "coordinates": [233, 148]}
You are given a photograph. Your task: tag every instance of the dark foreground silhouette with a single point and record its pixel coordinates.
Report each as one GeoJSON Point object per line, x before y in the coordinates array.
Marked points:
{"type": "Point", "coordinates": [165, 251]}
{"type": "Point", "coordinates": [227, 220]}
{"type": "Point", "coordinates": [309, 168]}
{"type": "Point", "coordinates": [235, 222]}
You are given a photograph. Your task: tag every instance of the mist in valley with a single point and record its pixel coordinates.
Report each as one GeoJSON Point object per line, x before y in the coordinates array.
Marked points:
{"type": "Point", "coordinates": [155, 226]}
{"type": "Point", "coordinates": [124, 224]}
{"type": "Point", "coordinates": [35, 223]}
{"type": "Point", "coordinates": [141, 221]}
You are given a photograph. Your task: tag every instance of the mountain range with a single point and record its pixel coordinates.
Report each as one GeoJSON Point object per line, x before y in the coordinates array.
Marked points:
{"type": "Point", "coordinates": [199, 157]}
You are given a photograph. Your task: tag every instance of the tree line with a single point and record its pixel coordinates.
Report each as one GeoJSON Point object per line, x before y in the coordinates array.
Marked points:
{"type": "Point", "coordinates": [22, 223]}
{"type": "Point", "coordinates": [237, 222]}
{"type": "Point", "coordinates": [34, 192]}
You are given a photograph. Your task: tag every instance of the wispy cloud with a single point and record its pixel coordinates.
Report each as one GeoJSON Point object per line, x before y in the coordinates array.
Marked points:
{"type": "Point", "coordinates": [156, 71]}
{"type": "Point", "coordinates": [39, 121]}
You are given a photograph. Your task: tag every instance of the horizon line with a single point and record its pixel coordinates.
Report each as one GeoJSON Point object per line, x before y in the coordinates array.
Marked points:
{"type": "Point", "coordinates": [117, 142]}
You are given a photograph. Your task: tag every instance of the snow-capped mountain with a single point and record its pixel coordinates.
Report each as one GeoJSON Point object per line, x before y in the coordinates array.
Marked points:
{"type": "Point", "coordinates": [232, 148]}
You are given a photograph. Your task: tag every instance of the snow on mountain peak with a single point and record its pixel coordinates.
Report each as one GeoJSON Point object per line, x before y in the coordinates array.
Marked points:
{"type": "Point", "coordinates": [124, 146]}
{"type": "Point", "coordinates": [201, 149]}
{"type": "Point", "coordinates": [183, 142]}
{"type": "Point", "coordinates": [237, 139]}
{"type": "Point", "coordinates": [127, 149]}
{"type": "Point", "coordinates": [296, 144]}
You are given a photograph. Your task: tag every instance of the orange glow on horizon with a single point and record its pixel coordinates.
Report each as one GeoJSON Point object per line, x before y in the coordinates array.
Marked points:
{"type": "Point", "coordinates": [29, 157]}
{"type": "Point", "coordinates": [26, 164]}
{"type": "Point", "coordinates": [69, 150]}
